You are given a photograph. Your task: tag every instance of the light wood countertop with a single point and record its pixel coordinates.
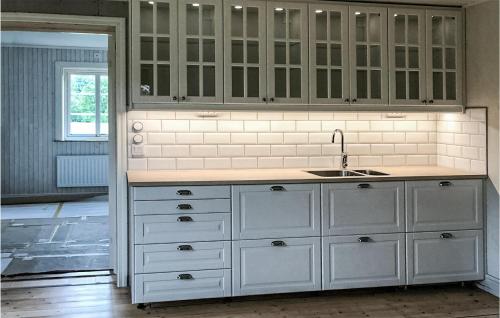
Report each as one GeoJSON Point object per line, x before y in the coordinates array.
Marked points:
{"type": "Point", "coordinates": [255, 176]}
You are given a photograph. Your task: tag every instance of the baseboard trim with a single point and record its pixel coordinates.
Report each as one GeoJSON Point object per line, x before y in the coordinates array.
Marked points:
{"type": "Point", "coordinates": [491, 285]}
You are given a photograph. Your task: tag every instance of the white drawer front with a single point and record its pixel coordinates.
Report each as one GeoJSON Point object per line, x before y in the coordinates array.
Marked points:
{"type": "Point", "coordinates": [169, 229]}
{"type": "Point", "coordinates": [182, 256]}
{"type": "Point", "coordinates": [261, 268]}
{"type": "Point", "coordinates": [168, 286]}
{"type": "Point", "coordinates": [444, 205]}
{"type": "Point", "coordinates": [181, 192]}
{"type": "Point", "coordinates": [271, 211]}
{"type": "Point", "coordinates": [359, 208]}
{"type": "Point", "coordinates": [433, 259]}
{"type": "Point", "coordinates": [363, 261]}
{"type": "Point", "coordinates": [182, 206]}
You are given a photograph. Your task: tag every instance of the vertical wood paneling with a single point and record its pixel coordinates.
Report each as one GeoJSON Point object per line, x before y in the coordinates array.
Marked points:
{"type": "Point", "coordinates": [29, 148]}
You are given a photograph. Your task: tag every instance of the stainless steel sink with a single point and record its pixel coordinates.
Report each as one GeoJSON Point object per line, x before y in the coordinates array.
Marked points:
{"type": "Point", "coordinates": [369, 172]}
{"type": "Point", "coordinates": [335, 173]}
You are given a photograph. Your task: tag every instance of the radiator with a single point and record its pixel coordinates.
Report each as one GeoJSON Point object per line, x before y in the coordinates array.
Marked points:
{"type": "Point", "coordinates": [82, 171]}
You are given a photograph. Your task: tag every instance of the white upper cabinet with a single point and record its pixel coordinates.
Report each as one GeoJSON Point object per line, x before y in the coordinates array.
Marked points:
{"type": "Point", "coordinates": [200, 51]}
{"type": "Point", "coordinates": [368, 52]}
{"type": "Point", "coordinates": [444, 57]}
{"type": "Point", "coordinates": [245, 51]}
{"type": "Point", "coordinates": [407, 57]}
{"type": "Point", "coordinates": [287, 61]}
{"type": "Point", "coordinates": [329, 54]}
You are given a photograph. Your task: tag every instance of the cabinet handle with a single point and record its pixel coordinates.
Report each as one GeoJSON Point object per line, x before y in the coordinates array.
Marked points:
{"type": "Point", "coordinates": [364, 186]}
{"type": "Point", "coordinates": [184, 192]}
{"type": "Point", "coordinates": [364, 239]}
{"type": "Point", "coordinates": [184, 207]}
{"type": "Point", "coordinates": [424, 101]}
{"type": "Point", "coordinates": [264, 99]}
{"type": "Point", "coordinates": [183, 97]}
{"type": "Point", "coordinates": [431, 101]}
{"type": "Point", "coordinates": [446, 235]}
{"type": "Point", "coordinates": [174, 97]}
{"type": "Point", "coordinates": [278, 243]}
{"type": "Point", "coordinates": [445, 184]}
{"type": "Point", "coordinates": [271, 99]}
{"type": "Point", "coordinates": [185, 276]}
{"type": "Point", "coordinates": [354, 100]}
{"type": "Point", "coordinates": [347, 100]}
{"type": "Point", "coordinates": [277, 188]}
{"type": "Point", "coordinates": [184, 219]}
{"type": "Point", "coordinates": [184, 248]}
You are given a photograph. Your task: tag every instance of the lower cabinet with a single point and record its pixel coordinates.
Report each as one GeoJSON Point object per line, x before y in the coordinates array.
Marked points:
{"type": "Point", "coordinates": [276, 266]}
{"type": "Point", "coordinates": [440, 257]}
{"type": "Point", "coordinates": [363, 261]}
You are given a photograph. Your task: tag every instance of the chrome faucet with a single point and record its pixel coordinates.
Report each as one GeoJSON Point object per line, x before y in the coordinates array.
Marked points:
{"type": "Point", "coordinates": [344, 154]}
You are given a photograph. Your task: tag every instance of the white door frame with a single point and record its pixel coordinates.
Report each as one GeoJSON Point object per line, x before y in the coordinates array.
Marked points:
{"type": "Point", "coordinates": [115, 27]}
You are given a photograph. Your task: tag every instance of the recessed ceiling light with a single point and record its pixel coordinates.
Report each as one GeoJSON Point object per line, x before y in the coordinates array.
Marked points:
{"type": "Point", "coordinates": [319, 11]}
{"type": "Point", "coordinates": [151, 2]}
{"type": "Point", "coordinates": [278, 9]}
{"type": "Point", "coordinates": [357, 13]}
{"type": "Point", "coordinates": [395, 14]}
{"type": "Point", "coordinates": [238, 7]}
{"type": "Point", "coordinates": [195, 4]}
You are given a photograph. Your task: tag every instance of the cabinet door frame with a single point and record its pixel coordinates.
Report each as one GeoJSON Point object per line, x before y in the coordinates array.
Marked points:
{"type": "Point", "coordinates": [218, 64]}
{"type": "Point", "coordinates": [304, 66]}
{"type": "Point", "coordinates": [135, 43]}
{"type": "Point", "coordinates": [393, 11]}
{"type": "Point", "coordinates": [459, 57]}
{"type": "Point", "coordinates": [344, 11]}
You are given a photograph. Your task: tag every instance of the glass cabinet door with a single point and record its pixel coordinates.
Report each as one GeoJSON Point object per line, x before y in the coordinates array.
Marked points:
{"type": "Point", "coordinates": [154, 51]}
{"type": "Point", "coordinates": [368, 51]}
{"type": "Point", "coordinates": [329, 53]}
{"type": "Point", "coordinates": [245, 51]}
{"type": "Point", "coordinates": [200, 51]}
{"type": "Point", "coordinates": [444, 57]}
{"type": "Point", "coordinates": [287, 52]}
{"type": "Point", "coordinates": [407, 57]}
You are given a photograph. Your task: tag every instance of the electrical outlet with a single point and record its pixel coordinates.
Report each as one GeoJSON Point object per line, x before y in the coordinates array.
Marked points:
{"type": "Point", "coordinates": [137, 151]}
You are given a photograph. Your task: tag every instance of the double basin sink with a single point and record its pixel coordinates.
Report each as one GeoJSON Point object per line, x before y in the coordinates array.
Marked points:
{"type": "Point", "coordinates": [347, 173]}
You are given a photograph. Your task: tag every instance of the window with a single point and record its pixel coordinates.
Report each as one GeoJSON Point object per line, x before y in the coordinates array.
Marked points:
{"type": "Point", "coordinates": [84, 102]}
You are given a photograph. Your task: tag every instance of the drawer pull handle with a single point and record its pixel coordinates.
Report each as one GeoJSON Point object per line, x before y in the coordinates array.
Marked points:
{"type": "Point", "coordinates": [364, 239]}
{"type": "Point", "coordinates": [184, 248]}
{"type": "Point", "coordinates": [184, 207]}
{"type": "Point", "coordinates": [445, 184]}
{"type": "Point", "coordinates": [277, 188]}
{"type": "Point", "coordinates": [364, 186]}
{"type": "Point", "coordinates": [184, 192]}
{"type": "Point", "coordinates": [185, 276]}
{"type": "Point", "coordinates": [184, 219]}
{"type": "Point", "coordinates": [278, 243]}
{"type": "Point", "coordinates": [446, 235]}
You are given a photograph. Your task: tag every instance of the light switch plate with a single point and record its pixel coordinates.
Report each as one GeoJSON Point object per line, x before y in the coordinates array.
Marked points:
{"type": "Point", "coordinates": [137, 150]}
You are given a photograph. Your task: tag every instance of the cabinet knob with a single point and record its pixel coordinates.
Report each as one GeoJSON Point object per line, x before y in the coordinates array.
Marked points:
{"type": "Point", "coordinates": [446, 235]}
{"type": "Point", "coordinates": [364, 239]}
{"type": "Point", "coordinates": [424, 101]}
{"type": "Point", "coordinates": [364, 186]}
{"type": "Point", "coordinates": [184, 219]}
{"type": "Point", "coordinates": [264, 99]}
{"type": "Point", "coordinates": [174, 97]}
{"type": "Point", "coordinates": [183, 97]}
{"type": "Point", "coordinates": [184, 192]}
{"type": "Point", "coordinates": [184, 206]}
{"type": "Point", "coordinates": [271, 99]}
{"type": "Point", "coordinates": [347, 100]}
{"type": "Point", "coordinates": [184, 248]}
{"type": "Point", "coordinates": [277, 188]}
{"type": "Point", "coordinates": [431, 101]}
{"type": "Point", "coordinates": [278, 243]}
{"type": "Point", "coordinates": [445, 184]}
{"type": "Point", "coordinates": [354, 100]}
{"type": "Point", "coordinates": [185, 276]}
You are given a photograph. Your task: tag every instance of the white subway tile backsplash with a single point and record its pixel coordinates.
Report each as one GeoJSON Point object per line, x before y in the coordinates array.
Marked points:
{"type": "Point", "coordinates": [309, 150]}
{"type": "Point", "coordinates": [161, 138]}
{"type": "Point", "coordinates": [405, 125]}
{"type": "Point", "coordinates": [295, 162]}
{"type": "Point", "coordinates": [137, 164]}
{"type": "Point", "coordinates": [283, 126]}
{"type": "Point", "coordinates": [320, 138]}
{"type": "Point", "coordinates": [174, 125]}
{"type": "Point", "coordinates": [244, 163]}
{"type": "Point", "coordinates": [230, 126]}
{"type": "Point", "coordinates": [358, 125]}
{"type": "Point", "coordinates": [152, 151]}
{"type": "Point", "coordinates": [358, 149]}
{"type": "Point", "coordinates": [189, 138]}
{"type": "Point", "coordinates": [189, 163]}
{"type": "Point", "coordinates": [270, 116]}
{"type": "Point", "coordinates": [295, 138]}
{"type": "Point", "coordinates": [308, 125]}
{"type": "Point", "coordinates": [296, 116]}
{"type": "Point", "coordinates": [217, 138]}
{"type": "Point", "coordinates": [382, 125]}
{"type": "Point", "coordinates": [231, 150]}
{"type": "Point", "coordinates": [393, 137]}
{"type": "Point", "coordinates": [243, 138]}
{"type": "Point", "coordinates": [283, 150]}
{"type": "Point", "coordinates": [462, 139]}
{"type": "Point", "coordinates": [405, 149]}
{"type": "Point", "coordinates": [417, 137]}
{"type": "Point", "coordinates": [382, 149]}
{"type": "Point", "coordinates": [243, 116]}
{"type": "Point", "coordinates": [257, 150]}
{"type": "Point", "coordinates": [175, 151]}
{"type": "Point", "coordinates": [203, 126]}
{"type": "Point", "coordinates": [417, 160]}
{"type": "Point", "coordinates": [394, 160]}
{"type": "Point", "coordinates": [162, 163]}
{"type": "Point", "coordinates": [369, 137]}
{"type": "Point", "coordinates": [331, 125]}
{"type": "Point", "coordinates": [270, 162]}
{"type": "Point", "coordinates": [203, 151]}
{"type": "Point", "coordinates": [270, 138]}
{"type": "Point", "coordinates": [370, 161]}
{"type": "Point", "coordinates": [217, 163]}
{"type": "Point", "coordinates": [321, 162]}
{"type": "Point", "coordinates": [257, 126]}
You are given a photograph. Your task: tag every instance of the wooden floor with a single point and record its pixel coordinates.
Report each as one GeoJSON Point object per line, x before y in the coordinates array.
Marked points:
{"type": "Point", "coordinates": [104, 300]}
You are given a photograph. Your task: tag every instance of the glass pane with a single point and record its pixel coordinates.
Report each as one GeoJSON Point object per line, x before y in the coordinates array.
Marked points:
{"type": "Point", "coordinates": [376, 83]}
{"type": "Point", "coordinates": [437, 30]}
{"type": "Point", "coordinates": [146, 17]}
{"type": "Point", "coordinates": [162, 18]}
{"type": "Point", "coordinates": [361, 55]}
{"type": "Point", "coordinates": [321, 25]}
{"type": "Point", "coordinates": [163, 47]}
{"type": "Point", "coordinates": [252, 52]}
{"type": "Point", "coordinates": [280, 82]}
{"type": "Point", "coordinates": [147, 79]}
{"type": "Point", "coordinates": [279, 24]}
{"type": "Point", "coordinates": [400, 52]}
{"type": "Point", "coordinates": [295, 53]}
{"type": "Point", "coordinates": [237, 51]}
{"type": "Point", "coordinates": [413, 29]}
{"type": "Point", "coordinates": [252, 22]}
{"type": "Point", "coordinates": [437, 85]}
{"type": "Point", "coordinates": [362, 83]}
{"type": "Point", "coordinates": [374, 28]}
{"type": "Point", "coordinates": [237, 82]}
{"type": "Point", "coordinates": [321, 54]}
{"type": "Point", "coordinates": [451, 86]}
{"type": "Point", "coordinates": [209, 81]}
{"type": "Point", "coordinates": [450, 59]}
{"type": "Point", "coordinates": [335, 26]}
{"type": "Point", "coordinates": [450, 30]}
{"type": "Point", "coordinates": [163, 80]}
{"type": "Point", "coordinates": [208, 50]}
{"type": "Point", "coordinates": [236, 21]}
{"type": "Point", "coordinates": [279, 52]}
{"type": "Point", "coordinates": [375, 56]}
{"type": "Point", "coordinates": [146, 48]}
{"type": "Point", "coordinates": [414, 83]}
{"type": "Point", "coordinates": [399, 29]}
{"type": "Point", "coordinates": [295, 82]}
{"type": "Point", "coordinates": [336, 55]}
{"type": "Point", "coordinates": [400, 85]}
{"type": "Point", "coordinates": [193, 50]}
{"type": "Point", "coordinates": [193, 80]}
{"type": "Point", "coordinates": [437, 58]}
{"type": "Point", "coordinates": [361, 27]}
{"type": "Point", "coordinates": [208, 23]}
{"type": "Point", "coordinates": [253, 82]}
{"type": "Point", "coordinates": [82, 108]}
{"type": "Point", "coordinates": [192, 20]}
{"type": "Point", "coordinates": [104, 105]}
{"type": "Point", "coordinates": [413, 57]}
{"type": "Point", "coordinates": [336, 83]}
{"type": "Point", "coordinates": [294, 24]}
{"type": "Point", "coordinates": [321, 83]}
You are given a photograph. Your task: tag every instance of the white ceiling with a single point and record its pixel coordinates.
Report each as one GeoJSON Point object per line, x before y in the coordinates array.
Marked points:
{"type": "Point", "coordinates": [57, 39]}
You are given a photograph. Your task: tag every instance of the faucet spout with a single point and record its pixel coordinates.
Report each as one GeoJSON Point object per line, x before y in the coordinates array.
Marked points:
{"type": "Point", "coordinates": [344, 162]}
